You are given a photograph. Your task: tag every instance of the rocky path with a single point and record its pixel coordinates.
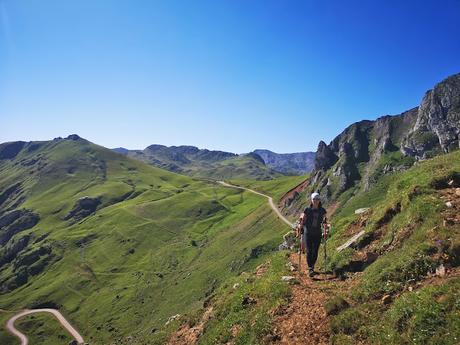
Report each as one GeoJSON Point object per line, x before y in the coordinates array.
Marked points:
{"type": "Point", "coordinates": [304, 319]}
{"type": "Point", "coordinates": [24, 340]}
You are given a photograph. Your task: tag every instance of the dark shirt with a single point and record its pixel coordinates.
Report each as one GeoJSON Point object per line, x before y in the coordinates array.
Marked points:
{"type": "Point", "coordinates": [313, 219]}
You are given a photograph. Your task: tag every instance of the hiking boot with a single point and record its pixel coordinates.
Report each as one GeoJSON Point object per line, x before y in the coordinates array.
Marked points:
{"type": "Point", "coordinates": [311, 273]}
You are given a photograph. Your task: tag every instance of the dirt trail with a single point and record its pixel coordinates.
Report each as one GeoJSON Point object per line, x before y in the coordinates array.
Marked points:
{"type": "Point", "coordinates": [270, 200]}
{"type": "Point", "coordinates": [24, 340]}
{"type": "Point", "coordinates": [188, 334]}
{"type": "Point", "coordinates": [304, 319]}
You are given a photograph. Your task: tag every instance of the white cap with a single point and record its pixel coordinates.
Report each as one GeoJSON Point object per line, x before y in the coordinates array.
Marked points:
{"type": "Point", "coordinates": [315, 196]}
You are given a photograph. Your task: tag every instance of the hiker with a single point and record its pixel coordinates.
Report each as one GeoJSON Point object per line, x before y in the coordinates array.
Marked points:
{"type": "Point", "coordinates": [310, 222]}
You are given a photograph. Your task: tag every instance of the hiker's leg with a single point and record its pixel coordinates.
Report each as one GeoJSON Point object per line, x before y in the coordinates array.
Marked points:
{"type": "Point", "coordinates": [316, 241]}
{"type": "Point", "coordinates": [309, 248]}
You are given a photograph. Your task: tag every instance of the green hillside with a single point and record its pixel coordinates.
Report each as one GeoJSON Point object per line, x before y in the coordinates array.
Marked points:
{"type": "Point", "coordinates": [411, 230]}
{"type": "Point", "coordinates": [403, 272]}
{"type": "Point", "coordinates": [120, 246]}
{"type": "Point", "coordinates": [276, 188]}
{"type": "Point", "coordinates": [191, 161]}
{"type": "Point", "coordinates": [239, 167]}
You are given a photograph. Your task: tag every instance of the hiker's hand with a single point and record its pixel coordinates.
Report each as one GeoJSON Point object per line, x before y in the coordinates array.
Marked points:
{"type": "Point", "coordinates": [326, 228]}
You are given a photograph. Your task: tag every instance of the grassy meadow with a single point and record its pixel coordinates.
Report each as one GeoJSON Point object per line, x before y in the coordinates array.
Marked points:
{"type": "Point", "coordinates": [159, 243]}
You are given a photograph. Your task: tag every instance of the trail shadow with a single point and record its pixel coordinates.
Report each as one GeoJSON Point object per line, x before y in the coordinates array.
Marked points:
{"type": "Point", "coordinates": [324, 276]}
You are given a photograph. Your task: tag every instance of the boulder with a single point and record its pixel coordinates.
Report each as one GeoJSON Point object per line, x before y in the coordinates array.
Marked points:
{"type": "Point", "coordinates": [441, 271]}
{"type": "Point", "coordinates": [362, 210]}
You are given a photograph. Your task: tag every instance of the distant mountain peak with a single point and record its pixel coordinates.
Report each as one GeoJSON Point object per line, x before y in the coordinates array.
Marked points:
{"type": "Point", "coordinates": [256, 157]}
{"type": "Point", "coordinates": [297, 163]}
{"type": "Point", "coordinates": [74, 137]}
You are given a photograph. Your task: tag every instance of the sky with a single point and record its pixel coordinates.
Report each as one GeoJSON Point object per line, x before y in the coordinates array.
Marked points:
{"type": "Point", "coordinates": [232, 75]}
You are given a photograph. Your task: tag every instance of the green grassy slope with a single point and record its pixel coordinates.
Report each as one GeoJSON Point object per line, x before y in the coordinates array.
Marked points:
{"type": "Point", "coordinates": [43, 328]}
{"type": "Point", "coordinates": [158, 244]}
{"type": "Point", "coordinates": [275, 188]}
{"type": "Point", "coordinates": [206, 164]}
{"type": "Point", "coordinates": [238, 323]}
{"type": "Point", "coordinates": [5, 337]}
{"type": "Point", "coordinates": [395, 297]}
{"type": "Point", "coordinates": [240, 167]}
{"type": "Point", "coordinates": [406, 238]}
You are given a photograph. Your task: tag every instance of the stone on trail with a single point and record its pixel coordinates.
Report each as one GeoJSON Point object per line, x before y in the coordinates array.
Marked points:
{"type": "Point", "coordinates": [172, 318]}
{"type": "Point", "coordinates": [441, 271]}
{"type": "Point", "coordinates": [290, 266]}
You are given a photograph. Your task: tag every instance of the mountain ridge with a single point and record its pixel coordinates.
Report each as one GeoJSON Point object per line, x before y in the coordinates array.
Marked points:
{"type": "Point", "coordinates": [192, 161]}
{"type": "Point", "coordinates": [368, 149]}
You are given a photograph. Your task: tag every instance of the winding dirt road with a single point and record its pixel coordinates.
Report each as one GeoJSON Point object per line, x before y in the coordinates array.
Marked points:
{"type": "Point", "coordinates": [270, 200]}
{"type": "Point", "coordinates": [24, 340]}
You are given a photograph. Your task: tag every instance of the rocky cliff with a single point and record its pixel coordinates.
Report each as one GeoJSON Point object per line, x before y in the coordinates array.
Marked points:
{"type": "Point", "coordinates": [366, 150]}
{"type": "Point", "coordinates": [437, 125]}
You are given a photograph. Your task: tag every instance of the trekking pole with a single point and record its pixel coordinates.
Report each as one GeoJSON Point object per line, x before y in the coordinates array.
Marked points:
{"type": "Point", "coordinates": [326, 228]}
{"type": "Point", "coordinates": [296, 227]}
{"type": "Point", "coordinates": [300, 250]}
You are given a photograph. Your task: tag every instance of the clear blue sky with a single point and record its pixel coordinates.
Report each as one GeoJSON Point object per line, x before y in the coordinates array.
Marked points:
{"type": "Point", "coordinates": [230, 75]}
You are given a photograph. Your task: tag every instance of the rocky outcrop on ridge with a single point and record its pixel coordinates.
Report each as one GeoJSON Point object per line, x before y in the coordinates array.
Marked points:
{"type": "Point", "coordinates": [366, 150]}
